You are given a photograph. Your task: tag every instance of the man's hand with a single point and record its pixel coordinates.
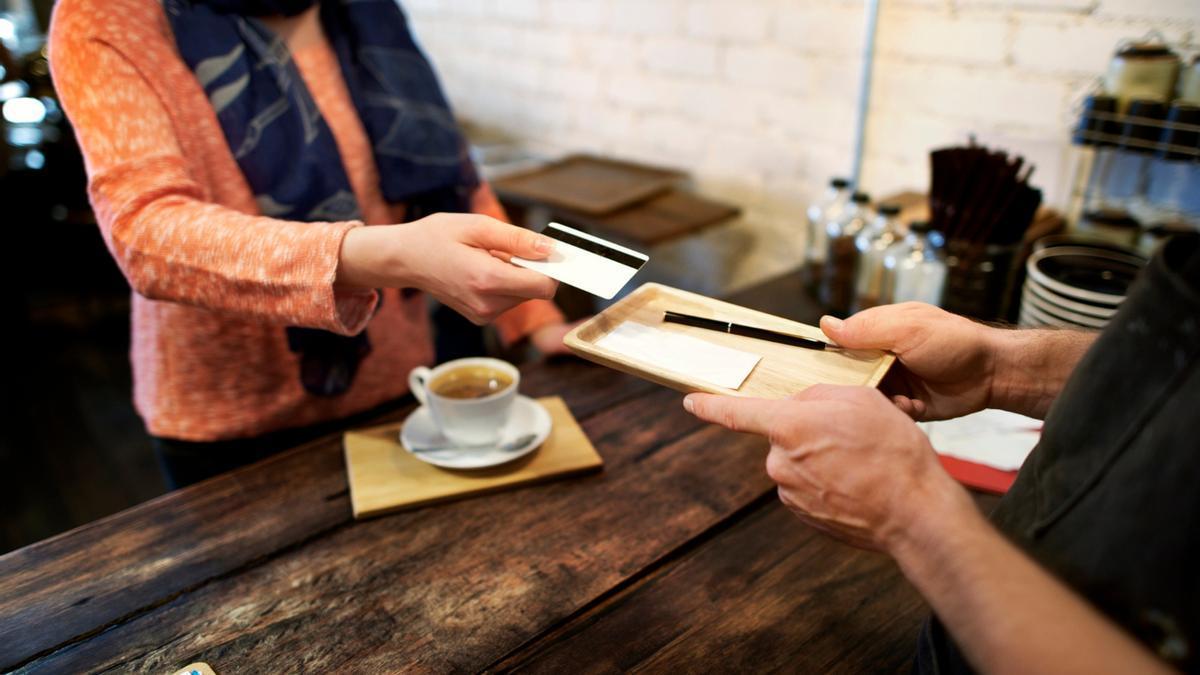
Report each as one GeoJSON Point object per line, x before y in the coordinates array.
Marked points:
{"type": "Point", "coordinates": [846, 460]}
{"type": "Point", "coordinates": [946, 362]}
{"type": "Point", "coordinates": [850, 464]}
{"type": "Point", "coordinates": [458, 258]}
{"type": "Point", "coordinates": [951, 366]}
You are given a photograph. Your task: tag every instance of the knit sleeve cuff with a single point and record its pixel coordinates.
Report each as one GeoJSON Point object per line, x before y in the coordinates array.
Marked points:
{"type": "Point", "coordinates": [340, 310]}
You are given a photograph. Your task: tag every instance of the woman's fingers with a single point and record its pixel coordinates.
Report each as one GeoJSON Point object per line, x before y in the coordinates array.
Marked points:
{"type": "Point", "coordinates": [493, 287]}
{"type": "Point", "coordinates": [508, 240]}
{"type": "Point", "coordinates": [505, 279]}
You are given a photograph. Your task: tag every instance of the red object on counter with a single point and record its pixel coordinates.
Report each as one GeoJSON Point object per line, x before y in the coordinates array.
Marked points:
{"type": "Point", "coordinates": [978, 476]}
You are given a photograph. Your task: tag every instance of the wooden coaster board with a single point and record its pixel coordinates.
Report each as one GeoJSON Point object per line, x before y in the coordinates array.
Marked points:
{"type": "Point", "coordinates": [384, 477]}
{"type": "Point", "coordinates": [784, 370]}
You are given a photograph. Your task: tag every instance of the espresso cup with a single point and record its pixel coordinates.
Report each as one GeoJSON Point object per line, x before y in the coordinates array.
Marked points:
{"type": "Point", "coordinates": [466, 416]}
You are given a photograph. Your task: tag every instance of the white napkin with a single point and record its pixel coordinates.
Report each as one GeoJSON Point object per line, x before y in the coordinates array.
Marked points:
{"type": "Point", "coordinates": [683, 354]}
{"type": "Point", "coordinates": [995, 438]}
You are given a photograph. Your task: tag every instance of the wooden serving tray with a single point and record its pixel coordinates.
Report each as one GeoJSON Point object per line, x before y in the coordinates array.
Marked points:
{"type": "Point", "coordinates": [784, 370]}
{"type": "Point", "coordinates": [670, 215]}
{"type": "Point", "coordinates": [384, 477]}
{"type": "Point", "coordinates": [593, 186]}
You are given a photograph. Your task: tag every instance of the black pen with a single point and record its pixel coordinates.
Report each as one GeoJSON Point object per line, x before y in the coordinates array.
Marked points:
{"type": "Point", "coordinates": [745, 331]}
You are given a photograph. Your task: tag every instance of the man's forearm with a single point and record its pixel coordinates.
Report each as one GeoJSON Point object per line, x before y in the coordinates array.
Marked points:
{"type": "Point", "coordinates": [1031, 367]}
{"type": "Point", "coordinates": [1005, 612]}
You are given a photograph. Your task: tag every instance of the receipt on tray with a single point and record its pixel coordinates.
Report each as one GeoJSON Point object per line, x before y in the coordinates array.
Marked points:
{"type": "Point", "coordinates": [682, 354]}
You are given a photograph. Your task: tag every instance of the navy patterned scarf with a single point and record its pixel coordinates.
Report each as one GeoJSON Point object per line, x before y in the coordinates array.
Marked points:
{"type": "Point", "coordinates": [287, 151]}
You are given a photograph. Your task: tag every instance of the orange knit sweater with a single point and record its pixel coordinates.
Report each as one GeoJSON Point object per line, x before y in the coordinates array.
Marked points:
{"type": "Point", "coordinates": [215, 282]}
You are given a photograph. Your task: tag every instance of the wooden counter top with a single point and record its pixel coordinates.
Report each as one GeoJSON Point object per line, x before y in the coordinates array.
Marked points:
{"type": "Point", "coordinates": [678, 555]}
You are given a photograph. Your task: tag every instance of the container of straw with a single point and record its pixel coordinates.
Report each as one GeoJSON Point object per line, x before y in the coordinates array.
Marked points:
{"type": "Point", "coordinates": [981, 201]}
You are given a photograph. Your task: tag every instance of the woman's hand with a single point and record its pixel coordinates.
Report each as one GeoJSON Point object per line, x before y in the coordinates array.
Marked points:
{"type": "Point", "coordinates": [460, 259]}
{"type": "Point", "coordinates": [548, 340]}
{"type": "Point", "coordinates": [846, 460]}
{"type": "Point", "coordinates": [946, 362]}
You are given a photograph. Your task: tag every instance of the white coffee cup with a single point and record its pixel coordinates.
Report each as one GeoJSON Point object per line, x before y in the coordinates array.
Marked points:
{"type": "Point", "coordinates": [467, 421]}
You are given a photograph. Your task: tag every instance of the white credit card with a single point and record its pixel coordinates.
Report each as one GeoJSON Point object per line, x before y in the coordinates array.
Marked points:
{"type": "Point", "coordinates": [586, 262]}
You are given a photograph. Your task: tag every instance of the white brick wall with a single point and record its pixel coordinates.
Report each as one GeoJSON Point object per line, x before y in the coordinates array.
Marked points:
{"type": "Point", "coordinates": [679, 56]}
{"type": "Point", "coordinates": [756, 97]}
{"type": "Point", "coordinates": [976, 38]}
{"type": "Point", "coordinates": [728, 20]}
{"type": "Point", "coordinates": [821, 27]}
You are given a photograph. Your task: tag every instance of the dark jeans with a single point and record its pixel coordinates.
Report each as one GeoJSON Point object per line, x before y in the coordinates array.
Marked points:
{"type": "Point", "coordinates": [186, 462]}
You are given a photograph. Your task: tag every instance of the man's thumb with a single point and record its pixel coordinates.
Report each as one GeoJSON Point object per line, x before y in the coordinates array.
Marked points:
{"type": "Point", "coordinates": [835, 329]}
{"type": "Point", "coordinates": [870, 329]}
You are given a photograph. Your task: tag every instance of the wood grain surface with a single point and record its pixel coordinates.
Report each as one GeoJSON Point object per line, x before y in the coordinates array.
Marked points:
{"type": "Point", "coordinates": [784, 369]}
{"type": "Point", "coordinates": [455, 586]}
{"type": "Point", "coordinates": [769, 595]}
{"type": "Point", "coordinates": [675, 557]}
{"type": "Point", "coordinates": [85, 580]}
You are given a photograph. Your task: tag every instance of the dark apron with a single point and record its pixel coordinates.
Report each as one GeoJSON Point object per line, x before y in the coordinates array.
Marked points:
{"type": "Point", "coordinates": [1109, 501]}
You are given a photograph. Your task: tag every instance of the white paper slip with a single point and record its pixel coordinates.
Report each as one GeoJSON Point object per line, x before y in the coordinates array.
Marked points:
{"type": "Point", "coordinates": [586, 262]}
{"type": "Point", "coordinates": [684, 354]}
{"type": "Point", "coordinates": [996, 438]}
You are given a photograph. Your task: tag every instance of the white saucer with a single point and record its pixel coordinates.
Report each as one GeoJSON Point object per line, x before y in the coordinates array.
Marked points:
{"type": "Point", "coordinates": [528, 417]}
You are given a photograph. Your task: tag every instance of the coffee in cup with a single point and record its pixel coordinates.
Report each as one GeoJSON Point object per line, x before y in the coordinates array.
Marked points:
{"type": "Point", "coordinates": [470, 400]}
{"type": "Point", "coordinates": [470, 381]}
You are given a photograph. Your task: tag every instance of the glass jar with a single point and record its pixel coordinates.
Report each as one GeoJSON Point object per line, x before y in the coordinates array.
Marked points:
{"type": "Point", "coordinates": [1146, 71]}
{"type": "Point", "coordinates": [1119, 173]}
{"type": "Point", "coordinates": [979, 279]}
{"type": "Point", "coordinates": [838, 277]}
{"type": "Point", "coordinates": [914, 269]}
{"type": "Point", "coordinates": [877, 237]}
{"type": "Point", "coordinates": [1172, 197]}
{"type": "Point", "coordinates": [1189, 83]}
{"type": "Point", "coordinates": [831, 206]}
{"type": "Point", "coordinates": [1095, 135]}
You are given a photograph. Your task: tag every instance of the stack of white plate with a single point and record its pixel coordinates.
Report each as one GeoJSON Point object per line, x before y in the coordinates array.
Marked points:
{"type": "Point", "coordinates": [1071, 284]}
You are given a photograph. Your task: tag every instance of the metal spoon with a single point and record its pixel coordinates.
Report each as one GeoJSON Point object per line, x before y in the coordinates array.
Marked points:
{"type": "Point", "coordinates": [515, 444]}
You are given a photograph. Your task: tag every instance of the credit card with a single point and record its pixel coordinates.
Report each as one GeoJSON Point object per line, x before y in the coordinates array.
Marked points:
{"type": "Point", "coordinates": [586, 262]}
